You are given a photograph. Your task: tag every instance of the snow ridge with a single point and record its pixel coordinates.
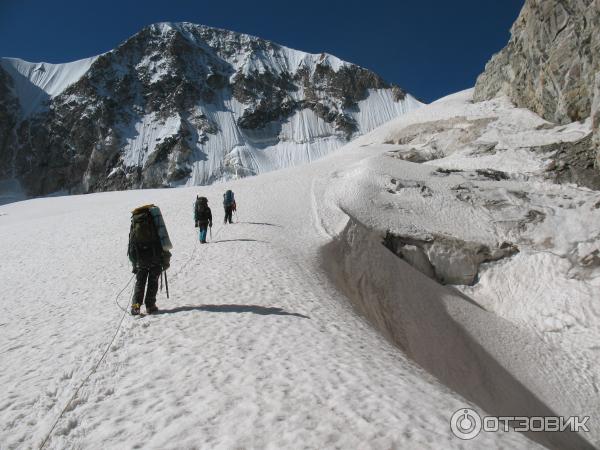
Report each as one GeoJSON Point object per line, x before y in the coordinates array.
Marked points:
{"type": "Point", "coordinates": [36, 83]}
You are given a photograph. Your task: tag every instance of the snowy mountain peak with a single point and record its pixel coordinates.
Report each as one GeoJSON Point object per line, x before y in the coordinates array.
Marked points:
{"type": "Point", "coordinates": [242, 51]}
{"type": "Point", "coordinates": [185, 104]}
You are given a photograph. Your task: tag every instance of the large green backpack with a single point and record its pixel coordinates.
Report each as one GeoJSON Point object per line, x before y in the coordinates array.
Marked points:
{"type": "Point", "coordinates": [143, 230]}
{"type": "Point", "coordinates": [201, 209]}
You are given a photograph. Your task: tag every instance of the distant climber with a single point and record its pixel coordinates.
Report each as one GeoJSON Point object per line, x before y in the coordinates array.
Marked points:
{"type": "Point", "coordinates": [148, 251]}
{"type": "Point", "coordinates": [229, 205]}
{"type": "Point", "coordinates": [202, 217]}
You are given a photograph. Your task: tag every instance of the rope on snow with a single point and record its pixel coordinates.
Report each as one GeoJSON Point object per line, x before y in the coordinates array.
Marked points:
{"type": "Point", "coordinates": [91, 372]}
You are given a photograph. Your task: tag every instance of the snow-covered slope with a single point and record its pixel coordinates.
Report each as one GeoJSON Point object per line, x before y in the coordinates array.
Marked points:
{"type": "Point", "coordinates": [481, 212]}
{"type": "Point", "coordinates": [184, 104]}
{"type": "Point", "coordinates": [36, 83]}
{"type": "Point", "coordinates": [279, 333]}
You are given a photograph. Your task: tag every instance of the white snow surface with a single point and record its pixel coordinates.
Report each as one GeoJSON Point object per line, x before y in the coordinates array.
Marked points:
{"type": "Point", "coordinates": [35, 83]}
{"type": "Point", "coordinates": [280, 332]}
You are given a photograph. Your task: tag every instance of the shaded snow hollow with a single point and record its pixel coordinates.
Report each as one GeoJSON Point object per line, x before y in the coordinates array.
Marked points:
{"type": "Point", "coordinates": [296, 326]}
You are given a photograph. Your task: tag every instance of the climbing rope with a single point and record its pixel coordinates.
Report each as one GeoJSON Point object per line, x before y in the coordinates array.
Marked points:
{"type": "Point", "coordinates": [120, 292]}
{"type": "Point", "coordinates": [112, 340]}
{"type": "Point", "coordinates": [185, 264]}
{"type": "Point", "coordinates": [91, 372]}
{"type": "Point", "coordinates": [189, 260]}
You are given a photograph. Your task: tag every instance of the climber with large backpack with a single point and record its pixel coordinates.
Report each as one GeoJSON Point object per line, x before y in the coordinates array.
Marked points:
{"type": "Point", "coordinates": [229, 205]}
{"type": "Point", "coordinates": [202, 217]}
{"type": "Point", "coordinates": [148, 251]}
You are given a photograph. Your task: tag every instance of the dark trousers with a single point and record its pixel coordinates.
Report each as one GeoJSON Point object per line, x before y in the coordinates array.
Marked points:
{"type": "Point", "coordinates": [151, 275]}
{"type": "Point", "coordinates": [228, 214]}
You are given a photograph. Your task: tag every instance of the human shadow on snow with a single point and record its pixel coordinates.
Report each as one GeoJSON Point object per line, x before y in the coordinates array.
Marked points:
{"type": "Point", "coordinates": [236, 240]}
{"type": "Point", "coordinates": [262, 223]}
{"type": "Point", "coordinates": [254, 309]}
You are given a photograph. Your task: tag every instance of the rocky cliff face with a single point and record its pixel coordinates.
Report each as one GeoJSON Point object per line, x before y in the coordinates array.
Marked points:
{"type": "Point", "coordinates": [595, 112]}
{"type": "Point", "coordinates": [187, 104]}
{"type": "Point", "coordinates": [9, 109]}
{"type": "Point", "coordinates": [551, 61]}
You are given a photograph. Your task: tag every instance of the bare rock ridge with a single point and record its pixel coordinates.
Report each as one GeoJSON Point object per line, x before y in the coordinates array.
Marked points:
{"type": "Point", "coordinates": [446, 259]}
{"type": "Point", "coordinates": [181, 104]}
{"type": "Point", "coordinates": [551, 64]}
{"type": "Point", "coordinates": [9, 108]}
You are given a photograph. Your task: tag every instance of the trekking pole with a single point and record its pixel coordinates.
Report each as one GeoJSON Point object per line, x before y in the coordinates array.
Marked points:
{"type": "Point", "coordinates": [166, 284]}
{"type": "Point", "coordinates": [211, 234]}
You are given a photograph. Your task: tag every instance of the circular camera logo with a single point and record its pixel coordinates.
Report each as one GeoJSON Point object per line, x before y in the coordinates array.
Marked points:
{"type": "Point", "coordinates": [465, 423]}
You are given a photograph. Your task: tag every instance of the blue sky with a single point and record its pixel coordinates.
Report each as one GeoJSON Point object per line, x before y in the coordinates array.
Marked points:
{"type": "Point", "coordinates": [431, 48]}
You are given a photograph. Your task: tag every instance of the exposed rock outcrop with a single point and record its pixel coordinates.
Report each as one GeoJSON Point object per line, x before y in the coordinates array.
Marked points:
{"type": "Point", "coordinates": [551, 60]}
{"type": "Point", "coordinates": [573, 162]}
{"type": "Point", "coordinates": [551, 64]}
{"type": "Point", "coordinates": [9, 108]}
{"type": "Point", "coordinates": [595, 113]}
{"type": "Point", "coordinates": [447, 259]}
